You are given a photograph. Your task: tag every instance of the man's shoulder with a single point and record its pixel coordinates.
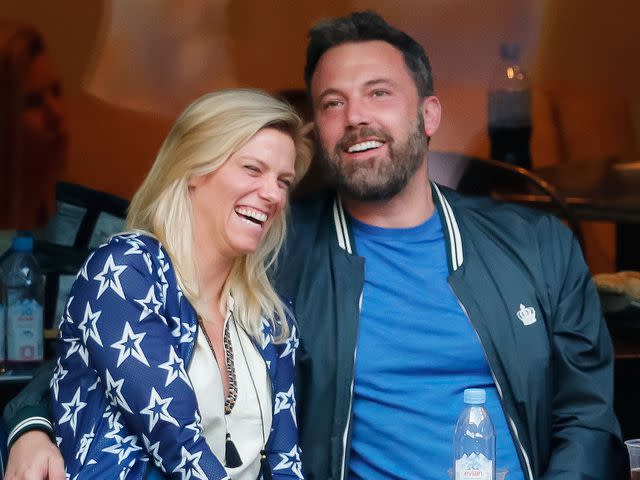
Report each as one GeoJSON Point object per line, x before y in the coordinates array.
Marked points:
{"type": "Point", "coordinates": [507, 223]}
{"type": "Point", "coordinates": [468, 208]}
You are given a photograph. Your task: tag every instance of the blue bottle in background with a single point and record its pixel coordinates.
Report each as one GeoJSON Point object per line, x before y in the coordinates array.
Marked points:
{"type": "Point", "coordinates": [474, 441]}
{"type": "Point", "coordinates": [24, 302]}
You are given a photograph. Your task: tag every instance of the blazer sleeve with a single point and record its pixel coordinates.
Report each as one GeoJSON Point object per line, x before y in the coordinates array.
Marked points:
{"type": "Point", "coordinates": [586, 439]}
{"type": "Point", "coordinates": [283, 450]}
{"type": "Point", "coordinates": [116, 312]}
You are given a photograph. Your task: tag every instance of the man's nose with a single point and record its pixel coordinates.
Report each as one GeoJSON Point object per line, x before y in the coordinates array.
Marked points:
{"type": "Point", "coordinates": [357, 113]}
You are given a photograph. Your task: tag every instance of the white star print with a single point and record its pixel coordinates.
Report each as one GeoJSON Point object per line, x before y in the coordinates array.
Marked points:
{"type": "Point", "coordinates": [195, 426]}
{"type": "Point", "coordinates": [129, 344]}
{"type": "Point", "coordinates": [291, 343]}
{"type": "Point", "coordinates": [266, 333]}
{"type": "Point", "coordinates": [147, 261]}
{"type": "Point", "coordinates": [123, 447]}
{"type": "Point", "coordinates": [89, 325]}
{"type": "Point", "coordinates": [67, 315]}
{"type": "Point", "coordinates": [95, 385]}
{"type": "Point", "coordinates": [153, 450]}
{"type": "Point", "coordinates": [83, 271]}
{"type": "Point", "coordinates": [190, 331]}
{"type": "Point", "coordinates": [58, 375]}
{"type": "Point", "coordinates": [85, 443]}
{"type": "Point", "coordinates": [158, 409]}
{"type": "Point", "coordinates": [189, 466]}
{"type": "Point", "coordinates": [135, 245]}
{"type": "Point", "coordinates": [175, 368]}
{"type": "Point", "coordinates": [286, 401]}
{"type": "Point", "coordinates": [73, 347]}
{"type": "Point", "coordinates": [71, 410]}
{"type": "Point", "coordinates": [109, 277]}
{"type": "Point", "coordinates": [114, 392]}
{"type": "Point", "coordinates": [176, 331]}
{"type": "Point", "coordinates": [149, 304]}
{"type": "Point", "coordinates": [114, 422]}
{"type": "Point", "coordinates": [290, 460]}
{"type": "Point", "coordinates": [76, 347]}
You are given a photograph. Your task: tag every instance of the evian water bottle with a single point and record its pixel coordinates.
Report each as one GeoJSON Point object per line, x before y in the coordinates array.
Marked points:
{"type": "Point", "coordinates": [474, 441]}
{"type": "Point", "coordinates": [24, 305]}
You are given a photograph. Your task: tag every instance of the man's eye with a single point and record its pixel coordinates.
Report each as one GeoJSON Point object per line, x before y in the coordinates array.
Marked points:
{"type": "Point", "coordinates": [380, 93]}
{"type": "Point", "coordinates": [331, 104]}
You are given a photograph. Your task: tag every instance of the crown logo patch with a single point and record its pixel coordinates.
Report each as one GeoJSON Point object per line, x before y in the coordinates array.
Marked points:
{"type": "Point", "coordinates": [527, 315]}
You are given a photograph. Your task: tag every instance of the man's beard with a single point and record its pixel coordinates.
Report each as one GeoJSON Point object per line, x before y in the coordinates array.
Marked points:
{"type": "Point", "coordinates": [388, 176]}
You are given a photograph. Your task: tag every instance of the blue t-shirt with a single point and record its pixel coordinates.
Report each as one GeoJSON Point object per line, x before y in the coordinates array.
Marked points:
{"type": "Point", "coordinates": [417, 352]}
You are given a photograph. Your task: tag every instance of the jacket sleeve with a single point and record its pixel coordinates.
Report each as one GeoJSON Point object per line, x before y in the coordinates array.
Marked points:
{"type": "Point", "coordinates": [29, 410]}
{"type": "Point", "coordinates": [283, 450]}
{"type": "Point", "coordinates": [116, 312]}
{"type": "Point", "coordinates": [586, 440]}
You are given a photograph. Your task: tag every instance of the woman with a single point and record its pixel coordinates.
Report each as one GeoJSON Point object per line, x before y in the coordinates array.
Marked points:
{"type": "Point", "coordinates": [33, 131]}
{"type": "Point", "coordinates": [175, 348]}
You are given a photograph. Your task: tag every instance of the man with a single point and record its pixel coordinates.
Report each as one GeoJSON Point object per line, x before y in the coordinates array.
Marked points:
{"type": "Point", "coordinates": [444, 293]}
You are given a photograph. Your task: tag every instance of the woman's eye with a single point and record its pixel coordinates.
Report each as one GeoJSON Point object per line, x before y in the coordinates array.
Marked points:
{"type": "Point", "coordinates": [252, 168]}
{"type": "Point", "coordinates": [285, 183]}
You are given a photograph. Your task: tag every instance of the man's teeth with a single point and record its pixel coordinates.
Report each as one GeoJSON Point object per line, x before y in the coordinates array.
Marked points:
{"type": "Point", "coordinates": [250, 213]}
{"type": "Point", "coordinates": [360, 147]}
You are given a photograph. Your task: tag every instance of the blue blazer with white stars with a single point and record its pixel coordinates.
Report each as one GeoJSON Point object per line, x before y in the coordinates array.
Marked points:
{"type": "Point", "coordinates": [121, 396]}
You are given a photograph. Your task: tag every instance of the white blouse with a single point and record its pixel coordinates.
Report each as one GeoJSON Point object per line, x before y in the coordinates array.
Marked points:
{"type": "Point", "coordinates": [244, 423]}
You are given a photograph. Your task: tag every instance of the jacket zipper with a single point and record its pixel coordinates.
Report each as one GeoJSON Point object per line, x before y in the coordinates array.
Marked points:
{"type": "Point", "coordinates": [345, 435]}
{"type": "Point", "coordinates": [512, 424]}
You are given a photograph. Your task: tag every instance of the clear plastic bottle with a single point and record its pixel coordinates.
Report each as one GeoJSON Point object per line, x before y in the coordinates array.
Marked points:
{"type": "Point", "coordinates": [24, 306]}
{"type": "Point", "coordinates": [474, 441]}
{"type": "Point", "coordinates": [509, 109]}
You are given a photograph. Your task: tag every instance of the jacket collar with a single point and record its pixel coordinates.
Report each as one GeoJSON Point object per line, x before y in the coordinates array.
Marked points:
{"type": "Point", "coordinates": [450, 224]}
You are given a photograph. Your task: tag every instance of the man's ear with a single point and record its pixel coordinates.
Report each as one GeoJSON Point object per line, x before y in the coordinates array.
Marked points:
{"type": "Point", "coordinates": [431, 111]}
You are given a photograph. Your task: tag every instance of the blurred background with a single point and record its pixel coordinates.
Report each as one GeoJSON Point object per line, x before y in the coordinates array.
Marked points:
{"type": "Point", "coordinates": [127, 68]}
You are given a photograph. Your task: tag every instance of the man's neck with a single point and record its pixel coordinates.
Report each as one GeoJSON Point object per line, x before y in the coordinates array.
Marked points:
{"type": "Point", "coordinates": [410, 207]}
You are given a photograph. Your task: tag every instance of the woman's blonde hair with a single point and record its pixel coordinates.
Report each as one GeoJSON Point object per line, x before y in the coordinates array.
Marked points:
{"type": "Point", "coordinates": [202, 139]}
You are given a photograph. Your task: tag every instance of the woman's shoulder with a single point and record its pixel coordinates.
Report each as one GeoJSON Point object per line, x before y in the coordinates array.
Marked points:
{"type": "Point", "coordinates": [130, 249]}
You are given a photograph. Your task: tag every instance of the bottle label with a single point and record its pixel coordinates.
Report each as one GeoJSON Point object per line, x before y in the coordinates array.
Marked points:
{"type": "Point", "coordinates": [24, 330]}
{"type": "Point", "coordinates": [474, 466]}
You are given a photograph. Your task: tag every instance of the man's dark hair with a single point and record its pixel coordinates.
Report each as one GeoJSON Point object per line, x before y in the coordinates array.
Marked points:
{"type": "Point", "coordinates": [363, 27]}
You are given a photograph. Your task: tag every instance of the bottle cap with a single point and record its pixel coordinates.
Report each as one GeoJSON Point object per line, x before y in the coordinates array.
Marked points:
{"type": "Point", "coordinates": [510, 51]}
{"type": "Point", "coordinates": [22, 244]}
{"type": "Point", "coordinates": [475, 396]}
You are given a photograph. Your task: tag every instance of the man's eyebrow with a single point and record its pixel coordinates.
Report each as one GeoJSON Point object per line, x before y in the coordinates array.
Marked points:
{"type": "Point", "coordinates": [327, 92]}
{"type": "Point", "coordinates": [379, 81]}
{"type": "Point", "coordinates": [368, 84]}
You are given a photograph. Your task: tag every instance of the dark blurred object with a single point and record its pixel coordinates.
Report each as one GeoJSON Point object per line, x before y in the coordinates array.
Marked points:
{"type": "Point", "coordinates": [314, 181]}
{"type": "Point", "coordinates": [33, 129]}
{"type": "Point", "coordinates": [504, 181]}
{"type": "Point", "coordinates": [84, 217]}
{"type": "Point", "coordinates": [509, 109]}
